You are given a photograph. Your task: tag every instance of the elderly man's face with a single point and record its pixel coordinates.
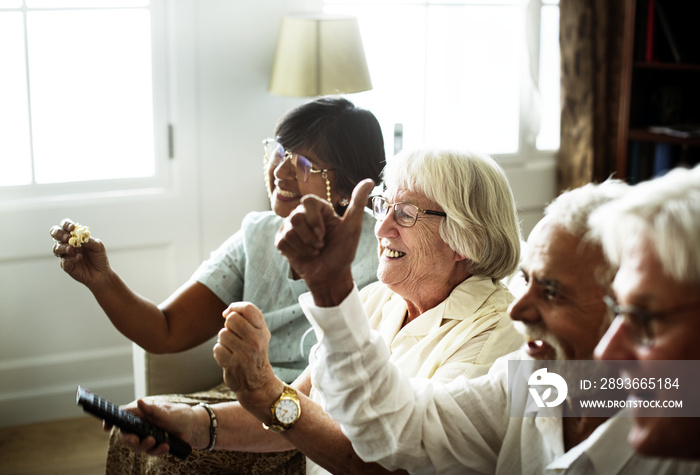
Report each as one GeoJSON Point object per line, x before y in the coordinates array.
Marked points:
{"type": "Point", "coordinates": [415, 261]}
{"type": "Point", "coordinates": [561, 314]}
{"type": "Point", "coordinates": [640, 282]}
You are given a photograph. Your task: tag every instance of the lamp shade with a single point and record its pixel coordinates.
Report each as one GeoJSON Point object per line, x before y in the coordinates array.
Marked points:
{"type": "Point", "coordinates": [319, 55]}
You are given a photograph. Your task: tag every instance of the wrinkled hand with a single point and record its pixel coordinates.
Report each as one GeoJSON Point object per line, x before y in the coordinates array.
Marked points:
{"type": "Point", "coordinates": [241, 351]}
{"type": "Point", "coordinates": [181, 420]}
{"type": "Point", "coordinates": [320, 245]}
{"type": "Point", "coordinates": [86, 263]}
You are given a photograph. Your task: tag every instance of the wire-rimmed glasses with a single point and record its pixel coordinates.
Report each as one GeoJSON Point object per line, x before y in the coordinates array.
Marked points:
{"type": "Point", "coordinates": [640, 321]}
{"type": "Point", "coordinates": [274, 154]}
{"type": "Point", "coordinates": [405, 214]}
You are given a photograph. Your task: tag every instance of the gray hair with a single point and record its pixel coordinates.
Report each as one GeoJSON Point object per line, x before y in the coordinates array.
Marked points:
{"type": "Point", "coordinates": [571, 211]}
{"type": "Point", "coordinates": [664, 211]}
{"type": "Point", "coordinates": [472, 189]}
{"type": "Point", "coordinates": [572, 208]}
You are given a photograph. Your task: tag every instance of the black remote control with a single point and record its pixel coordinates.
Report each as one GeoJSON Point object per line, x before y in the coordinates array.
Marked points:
{"type": "Point", "coordinates": [103, 409]}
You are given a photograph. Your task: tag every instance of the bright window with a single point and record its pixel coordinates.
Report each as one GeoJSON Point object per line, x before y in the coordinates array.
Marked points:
{"type": "Point", "coordinates": [477, 74]}
{"type": "Point", "coordinates": [76, 92]}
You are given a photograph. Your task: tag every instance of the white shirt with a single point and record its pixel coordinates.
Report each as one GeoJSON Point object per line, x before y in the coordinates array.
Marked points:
{"type": "Point", "coordinates": [464, 334]}
{"type": "Point", "coordinates": [459, 427]}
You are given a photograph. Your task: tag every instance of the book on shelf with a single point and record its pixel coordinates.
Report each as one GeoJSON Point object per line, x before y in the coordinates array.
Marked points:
{"type": "Point", "coordinates": [648, 160]}
{"type": "Point", "coordinates": [668, 31]}
{"type": "Point", "coordinates": [640, 31]}
{"type": "Point", "coordinates": [678, 130]}
{"type": "Point", "coordinates": [633, 163]}
{"type": "Point", "coordinates": [665, 158]}
{"type": "Point", "coordinates": [641, 161]}
{"type": "Point", "coordinates": [650, 27]}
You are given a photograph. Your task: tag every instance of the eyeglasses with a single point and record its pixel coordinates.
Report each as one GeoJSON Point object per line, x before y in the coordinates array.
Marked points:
{"type": "Point", "coordinates": [276, 154]}
{"type": "Point", "coordinates": [405, 214]}
{"type": "Point", "coordinates": [639, 321]}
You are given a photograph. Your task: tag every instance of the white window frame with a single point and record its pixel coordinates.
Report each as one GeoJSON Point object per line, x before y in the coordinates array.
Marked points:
{"type": "Point", "coordinates": [161, 181]}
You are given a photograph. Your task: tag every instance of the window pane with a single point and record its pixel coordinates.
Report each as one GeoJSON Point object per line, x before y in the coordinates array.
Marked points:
{"type": "Point", "coordinates": [480, 2]}
{"type": "Point", "coordinates": [394, 39]}
{"type": "Point", "coordinates": [92, 105]}
{"type": "Point", "coordinates": [452, 72]}
{"type": "Point", "coordinates": [550, 91]}
{"type": "Point", "coordinates": [10, 3]}
{"type": "Point", "coordinates": [374, 2]}
{"type": "Point", "coordinates": [86, 3]}
{"type": "Point", "coordinates": [15, 153]}
{"type": "Point", "coordinates": [473, 72]}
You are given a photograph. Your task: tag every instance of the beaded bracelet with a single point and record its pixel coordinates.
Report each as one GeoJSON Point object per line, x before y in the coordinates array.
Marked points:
{"type": "Point", "coordinates": [213, 424]}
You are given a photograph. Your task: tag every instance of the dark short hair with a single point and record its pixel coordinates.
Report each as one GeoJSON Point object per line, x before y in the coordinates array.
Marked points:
{"type": "Point", "coordinates": [347, 137]}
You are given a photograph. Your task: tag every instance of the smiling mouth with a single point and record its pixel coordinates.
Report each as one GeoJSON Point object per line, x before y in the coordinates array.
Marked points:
{"type": "Point", "coordinates": [286, 194]}
{"type": "Point", "coordinates": [537, 349]}
{"type": "Point", "coordinates": [535, 344]}
{"type": "Point", "coordinates": [393, 254]}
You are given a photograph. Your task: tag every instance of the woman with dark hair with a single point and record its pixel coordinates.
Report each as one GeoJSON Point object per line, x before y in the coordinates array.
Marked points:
{"type": "Point", "coordinates": [324, 148]}
{"type": "Point", "coordinates": [345, 137]}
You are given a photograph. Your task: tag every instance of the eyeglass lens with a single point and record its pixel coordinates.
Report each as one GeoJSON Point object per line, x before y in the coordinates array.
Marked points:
{"type": "Point", "coordinates": [276, 154]}
{"type": "Point", "coordinates": [405, 214]}
{"type": "Point", "coordinates": [638, 321]}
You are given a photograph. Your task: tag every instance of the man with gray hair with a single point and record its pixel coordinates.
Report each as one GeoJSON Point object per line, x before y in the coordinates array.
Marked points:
{"type": "Point", "coordinates": [653, 235]}
{"type": "Point", "coordinates": [465, 426]}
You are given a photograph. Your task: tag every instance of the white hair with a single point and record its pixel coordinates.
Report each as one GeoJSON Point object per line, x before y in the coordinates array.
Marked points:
{"type": "Point", "coordinates": [482, 222]}
{"type": "Point", "coordinates": [664, 211]}
{"type": "Point", "coordinates": [572, 208]}
{"type": "Point", "coordinates": [571, 211]}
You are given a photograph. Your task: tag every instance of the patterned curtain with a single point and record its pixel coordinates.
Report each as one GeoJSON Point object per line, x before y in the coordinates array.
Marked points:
{"type": "Point", "coordinates": [591, 33]}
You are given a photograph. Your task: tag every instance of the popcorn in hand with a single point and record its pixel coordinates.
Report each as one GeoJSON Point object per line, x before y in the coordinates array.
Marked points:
{"type": "Point", "coordinates": [79, 235]}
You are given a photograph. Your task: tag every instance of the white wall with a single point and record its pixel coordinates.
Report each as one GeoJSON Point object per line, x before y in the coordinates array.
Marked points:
{"type": "Point", "coordinates": [534, 186]}
{"type": "Point", "coordinates": [53, 336]}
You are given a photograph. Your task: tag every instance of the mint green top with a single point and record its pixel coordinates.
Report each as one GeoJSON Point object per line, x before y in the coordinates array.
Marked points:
{"type": "Point", "coordinates": [248, 267]}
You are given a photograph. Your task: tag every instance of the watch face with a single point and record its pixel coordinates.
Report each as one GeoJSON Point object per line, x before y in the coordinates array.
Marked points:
{"type": "Point", "coordinates": [287, 411]}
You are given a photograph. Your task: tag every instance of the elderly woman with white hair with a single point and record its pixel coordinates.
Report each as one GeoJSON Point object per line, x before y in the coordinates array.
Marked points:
{"type": "Point", "coordinates": [448, 232]}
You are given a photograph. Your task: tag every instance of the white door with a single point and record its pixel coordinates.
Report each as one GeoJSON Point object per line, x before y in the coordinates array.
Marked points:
{"type": "Point", "coordinates": [53, 335]}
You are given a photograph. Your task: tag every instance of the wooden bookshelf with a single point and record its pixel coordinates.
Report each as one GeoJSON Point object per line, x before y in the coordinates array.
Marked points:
{"type": "Point", "coordinates": [660, 86]}
{"type": "Point", "coordinates": [645, 135]}
{"type": "Point", "coordinates": [666, 66]}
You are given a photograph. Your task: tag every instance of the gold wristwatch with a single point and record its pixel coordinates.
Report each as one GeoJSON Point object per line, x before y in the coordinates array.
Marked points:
{"type": "Point", "coordinates": [285, 411]}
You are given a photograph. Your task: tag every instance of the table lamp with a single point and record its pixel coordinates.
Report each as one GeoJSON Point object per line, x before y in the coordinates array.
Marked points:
{"type": "Point", "coordinates": [317, 55]}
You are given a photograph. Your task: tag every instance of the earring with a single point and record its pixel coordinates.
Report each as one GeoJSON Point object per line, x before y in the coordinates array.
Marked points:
{"type": "Point", "coordinates": [344, 202]}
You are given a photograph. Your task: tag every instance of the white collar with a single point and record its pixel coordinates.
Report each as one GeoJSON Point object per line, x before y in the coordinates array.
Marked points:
{"type": "Point", "coordinates": [612, 433]}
